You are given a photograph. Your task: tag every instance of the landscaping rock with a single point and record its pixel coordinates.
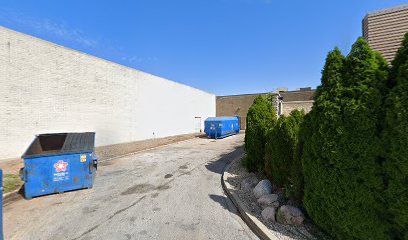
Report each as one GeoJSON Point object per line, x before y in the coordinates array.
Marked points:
{"type": "Point", "coordinates": [281, 196]}
{"type": "Point", "coordinates": [294, 203]}
{"type": "Point", "coordinates": [249, 183]}
{"type": "Point", "coordinates": [268, 200]}
{"type": "Point", "coordinates": [262, 188]}
{"type": "Point", "coordinates": [289, 215]}
{"type": "Point", "coordinates": [268, 214]}
{"type": "Point", "coordinates": [274, 187]}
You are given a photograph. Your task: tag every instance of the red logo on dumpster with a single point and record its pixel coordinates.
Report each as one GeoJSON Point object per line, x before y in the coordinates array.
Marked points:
{"type": "Point", "coordinates": [61, 166]}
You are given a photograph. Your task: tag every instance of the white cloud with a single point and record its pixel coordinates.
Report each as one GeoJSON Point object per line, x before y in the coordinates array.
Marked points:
{"type": "Point", "coordinates": [138, 59]}
{"type": "Point", "coordinates": [47, 26]}
{"type": "Point", "coordinates": [63, 31]}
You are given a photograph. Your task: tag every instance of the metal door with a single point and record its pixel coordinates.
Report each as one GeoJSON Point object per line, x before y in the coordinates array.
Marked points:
{"type": "Point", "coordinates": [197, 124]}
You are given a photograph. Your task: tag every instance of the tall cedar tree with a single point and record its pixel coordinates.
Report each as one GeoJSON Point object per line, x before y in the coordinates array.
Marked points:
{"type": "Point", "coordinates": [343, 182]}
{"type": "Point", "coordinates": [396, 142]}
{"type": "Point", "coordinates": [295, 184]}
{"type": "Point", "coordinates": [261, 117]}
{"type": "Point", "coordinates": [280, 149]}
{"type": "Point", "coordinates": [319, 141]}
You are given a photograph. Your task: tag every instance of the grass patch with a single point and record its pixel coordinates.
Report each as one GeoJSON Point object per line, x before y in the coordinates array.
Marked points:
{"type": "Point", "coordinates": [11, 182]}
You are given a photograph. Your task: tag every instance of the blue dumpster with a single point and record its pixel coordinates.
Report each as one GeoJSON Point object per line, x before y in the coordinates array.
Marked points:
{"type": "Point", "coordinates": [221, 127]}
{"type": "Point", "coordinates": [60, 162]}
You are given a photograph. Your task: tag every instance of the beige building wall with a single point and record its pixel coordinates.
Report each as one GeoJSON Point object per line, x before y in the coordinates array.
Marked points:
{"type": "Point", "coordinates": [301, 100]}
{"type": "Point", "coordinates": [384, 29]}
{"type": "Point", "coordinates": [47, 88]}
{"type": "Point", "coordinates": [238, 105]}
{"type": "Point", "coordinates": [288, 107]}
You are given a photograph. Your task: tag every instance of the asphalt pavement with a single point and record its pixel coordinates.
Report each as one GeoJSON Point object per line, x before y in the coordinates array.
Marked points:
{"type": "Point", "coordinates": [171, 192]}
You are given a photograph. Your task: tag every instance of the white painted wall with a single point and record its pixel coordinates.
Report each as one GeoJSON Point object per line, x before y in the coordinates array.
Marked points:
{"type": "Point", "coordinates": [46, 88]}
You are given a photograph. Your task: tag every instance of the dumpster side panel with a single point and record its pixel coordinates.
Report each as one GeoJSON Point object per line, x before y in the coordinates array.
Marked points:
{"type": "Point", "coordinates": [220, 127]}
{"type": "Point", "coordinates": [57, 174]}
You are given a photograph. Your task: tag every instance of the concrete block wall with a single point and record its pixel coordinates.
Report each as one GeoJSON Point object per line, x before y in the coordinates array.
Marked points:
{"type": "Point", "coordinates": [47, 88]}
{"type": "Point", "coordinates": [288, 107]}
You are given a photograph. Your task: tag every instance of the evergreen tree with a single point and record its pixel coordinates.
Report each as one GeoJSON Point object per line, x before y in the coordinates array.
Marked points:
{"type": "Point", "coordinates": [319, 139]}
{"type": "Point", "coordinates": [261, 117]}
{"type": "Point", "coordinates": [343, 182]}
{"type": "Point", "coordinates": [400, 59]}
{"type": "Point", "coordinates": [296, 178]}
{"type": "Point", "coordinates": [396, 142]}
{"type": "Point", "coordinates": [280, 149]}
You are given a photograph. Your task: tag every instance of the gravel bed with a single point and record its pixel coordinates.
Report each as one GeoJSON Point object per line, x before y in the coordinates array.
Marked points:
{"type": "Point", "coordinates": [306, 231]}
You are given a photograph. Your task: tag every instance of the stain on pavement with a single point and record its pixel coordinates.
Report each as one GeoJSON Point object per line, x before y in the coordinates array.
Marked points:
{"type": "Point", "coordinates": [139, 188]}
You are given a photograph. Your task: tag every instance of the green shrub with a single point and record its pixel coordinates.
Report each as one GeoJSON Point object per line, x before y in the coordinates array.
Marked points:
{"type": "Point", "coordinates": [11, 182]}
{"type": "Point", "coordinates": [296, 179]}
{"type": "Point", "coordinates": [342, 167]}
{"type": "Point", "coordinates": [280, 149]}
{"type": "Point", "coordinates": [277, 154]}
{"type": "Point", "coordinates": [396, 146]}
{"type": "Point", "coordinates": [399, 60]}
{"type": "Point", "coordinates": [261, 117]}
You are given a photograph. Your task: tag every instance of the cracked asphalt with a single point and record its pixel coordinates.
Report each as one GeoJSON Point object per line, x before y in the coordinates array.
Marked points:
{"type": "Point", "coordinates": [171, 192]}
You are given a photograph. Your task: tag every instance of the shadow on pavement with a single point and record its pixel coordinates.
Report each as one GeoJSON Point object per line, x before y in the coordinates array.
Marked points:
{"type": "Point", "coordinates": [225, 202]}
{"type": "Point", "coordinates": [14, 197]}
{"type": "Point", "coordinates": [218, 166]}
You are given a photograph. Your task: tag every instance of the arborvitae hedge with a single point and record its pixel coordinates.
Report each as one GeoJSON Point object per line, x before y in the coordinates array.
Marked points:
{"type": "Point", "coordinates": [280, 149]}
{"type": "Point", "coordinates": [261, 117]}
{"type": "Point", "coordinates": [342, 168]}
{"type": "Point", "coordinates": [295, 184]}
{"type": "Point", "coordinates": [277, 154]}
{"type": "Point", "coordinates": [399, 60]}
{"type": "Point", "coordinates": [396, 142]}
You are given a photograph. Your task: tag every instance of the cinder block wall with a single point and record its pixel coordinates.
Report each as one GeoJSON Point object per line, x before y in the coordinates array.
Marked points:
{"type": "Point", "coordinates": [288, 107]}
{"type": "Point", "coordinates": [301, 100]}
{"type": "Point", "coordinates": [47, 88]}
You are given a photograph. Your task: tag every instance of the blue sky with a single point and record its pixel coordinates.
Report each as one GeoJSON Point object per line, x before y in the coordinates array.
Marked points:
{"type": "Point", "coordinates": [220, 46]}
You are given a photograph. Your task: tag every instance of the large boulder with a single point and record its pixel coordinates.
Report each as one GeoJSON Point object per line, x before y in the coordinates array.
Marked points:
{"type": "Point", "coordinates": [249, 183]}
{"type": "Point", "coordinates": [268, 214]}
{"type": "Point", "coordinates": [262, 188]}
{"type": "Point", "coordinates": [289, 215]}
{"type": "Point", "coordinates": [268, 200]}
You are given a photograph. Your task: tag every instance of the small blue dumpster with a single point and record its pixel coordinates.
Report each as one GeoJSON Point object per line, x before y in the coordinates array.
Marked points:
{"type": "Point", "coordinates": [59, 162]}
{"type": "Point", "coordinates": [221, 127]}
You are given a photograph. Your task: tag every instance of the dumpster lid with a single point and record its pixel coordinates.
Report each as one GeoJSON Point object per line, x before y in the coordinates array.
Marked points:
{"type": "Point", "coordinates": [221, 118]}
{"type": "Point", "coordinates": [60, 143]}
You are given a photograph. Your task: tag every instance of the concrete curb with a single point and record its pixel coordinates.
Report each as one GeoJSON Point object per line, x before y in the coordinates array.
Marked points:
{"type": "Point", "coordinates": [257, 226]}
{"type": "Point", "coordinates": [11, 196]}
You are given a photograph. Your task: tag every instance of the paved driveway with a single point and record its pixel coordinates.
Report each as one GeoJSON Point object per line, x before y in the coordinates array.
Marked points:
{"type": "Point", "coordinates": [172, 192]}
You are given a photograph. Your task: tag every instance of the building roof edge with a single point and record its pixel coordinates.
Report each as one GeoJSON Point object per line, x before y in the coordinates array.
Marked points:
{"type": "Point", "coordinates": [387, 10]}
